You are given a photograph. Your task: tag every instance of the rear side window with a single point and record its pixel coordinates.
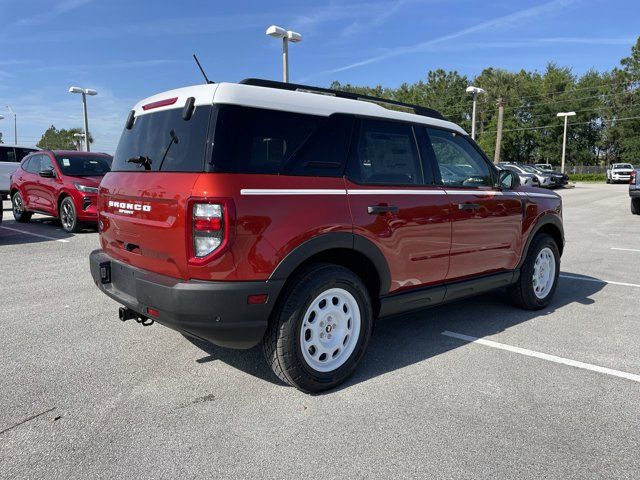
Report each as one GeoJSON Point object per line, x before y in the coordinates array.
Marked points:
{"type": "Point", "coordinates": [25, 164]}
{"type": "Point", "coordinates": [166, 140]}
{"type": "Point", "coordinates": [254, 140]}
{"type": "Point", "coordinates": [32, 164]}
{"type": "Point", "coordinates": [385, 154]}
{"type": "Point", "coordinates": [460, 164]}
{"type": "Point", "coordinates": [7, 154]}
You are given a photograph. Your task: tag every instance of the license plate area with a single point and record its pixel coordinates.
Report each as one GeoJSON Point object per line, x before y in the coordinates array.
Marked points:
{"type": "Point", "coordinates": [105, 273]}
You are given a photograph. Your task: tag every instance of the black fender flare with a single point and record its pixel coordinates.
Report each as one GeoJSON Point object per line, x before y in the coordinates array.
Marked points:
{"type": "Point", "coordinates": [330, 241]}
{"type": "Point", "coordinates": [545, 219]}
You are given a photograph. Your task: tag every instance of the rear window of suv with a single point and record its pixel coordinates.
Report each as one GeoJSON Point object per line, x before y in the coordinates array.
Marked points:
{"type": "Point", "coordinates": [171, 143]}
{"type": "Point", "coordinates": [82, 166]}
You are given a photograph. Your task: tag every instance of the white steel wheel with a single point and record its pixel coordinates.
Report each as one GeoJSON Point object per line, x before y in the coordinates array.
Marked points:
{"type": "Point", "coordinates": [330, 329]}
{"type": "Point", "coordinates": [544, 273]}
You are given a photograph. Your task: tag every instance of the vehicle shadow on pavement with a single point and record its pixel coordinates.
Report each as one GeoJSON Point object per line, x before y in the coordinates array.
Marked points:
{"type": "Point", "coordinates": [37, 230]}
{"type": "Point", "coordinates": [401, 341]}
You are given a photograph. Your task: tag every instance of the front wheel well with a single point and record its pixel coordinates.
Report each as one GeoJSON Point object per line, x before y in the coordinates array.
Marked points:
{"type": "Point", "coordinates": [61, 197]}
{"type": "Point", "coordinates": [353, 260]}
{"type": "Point", "coordinates": [554, 232]}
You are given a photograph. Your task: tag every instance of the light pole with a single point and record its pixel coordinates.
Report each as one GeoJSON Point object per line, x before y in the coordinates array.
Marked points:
{"type": "Point", "coordinates": [475, 91]}
{"type": "Point", "coordinates": [15, 125]}
{"type": "Point", "coordinates": [78, 137]}
{"type": "Point", "coordinates": [566, 115]}
{"type": "Point", "coordinates": [286, 36]}
{"type": "Point", "coordinates": [84, 92]}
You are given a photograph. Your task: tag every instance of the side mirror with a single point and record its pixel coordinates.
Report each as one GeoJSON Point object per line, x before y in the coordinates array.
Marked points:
{"type": "Point", "coordinates": [48, 173]}
{"type": "Point", "coordinates": [508, 180]}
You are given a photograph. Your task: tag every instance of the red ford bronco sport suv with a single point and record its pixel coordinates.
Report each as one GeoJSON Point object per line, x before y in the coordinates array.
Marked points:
{"type": "Point", "coordinates": [295, 216]}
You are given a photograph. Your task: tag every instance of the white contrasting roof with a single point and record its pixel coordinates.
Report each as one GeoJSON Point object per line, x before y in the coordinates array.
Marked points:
{"type": "Point", "coordinates": [284, 100]}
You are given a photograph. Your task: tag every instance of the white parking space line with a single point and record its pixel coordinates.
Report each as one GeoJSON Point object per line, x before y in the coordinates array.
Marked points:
{"type": "Point", "coordinates": [625, 249]}
{"type": "Point", "coordinates": [61, 240]}
{"type": "Point", "coordinates": [597, 280]}
{"type": "Point", "coordinates": [543, 356]}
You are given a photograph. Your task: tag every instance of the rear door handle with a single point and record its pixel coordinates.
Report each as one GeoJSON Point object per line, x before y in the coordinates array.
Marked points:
{"type": "Point", "coordinates": [378, 209]}
{"type": "Point", "coordinates": [468, 206]}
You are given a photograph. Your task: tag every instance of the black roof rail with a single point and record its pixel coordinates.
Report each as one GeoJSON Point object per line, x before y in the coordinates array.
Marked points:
{"type": "Point", "coordinates": [417, 109]}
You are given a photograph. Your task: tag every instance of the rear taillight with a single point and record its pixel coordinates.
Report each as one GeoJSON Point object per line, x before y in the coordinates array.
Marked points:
{"type": "Point", "coordinates": [632, 179]}
{"type": "Point", "coordinates": [210, 229]}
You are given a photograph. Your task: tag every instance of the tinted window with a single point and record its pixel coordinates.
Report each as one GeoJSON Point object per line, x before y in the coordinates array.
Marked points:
{"type": "Point", "coordinates": [385, 154]}
{"type": "Point", "coordinates": [151, 137]}
{"type": "Point", "coordinates": [459, 162]}
{"type": "Point", "coordinates": [32, 164]}
{"type": "Point", "coordinates": [22, 152]}
{"type": "Point", "coordinates": [82, 166]}
{"type": "Point", "coordinates": [254, 140]}
{"type": "Point", "coordinates": [7, 154]}
{"type": "Point", "coordinates": [25, 165]}
{"type": "Point", "coordinates": [45, 163]}
{"type": "Point", "coordinates": [325, 152]}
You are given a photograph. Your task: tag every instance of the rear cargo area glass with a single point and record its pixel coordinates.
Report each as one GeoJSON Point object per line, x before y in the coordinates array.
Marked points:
{"type": "Point", "coordinates": [151, 137]}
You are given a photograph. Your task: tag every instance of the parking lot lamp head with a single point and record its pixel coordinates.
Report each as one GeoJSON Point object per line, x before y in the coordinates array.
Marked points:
{"type": "Point", "coordinates": [84, 92]}
{"type": "Point", "coordinates": [475, 91]}
{"type": "Point", "coordinates": [286, 36]}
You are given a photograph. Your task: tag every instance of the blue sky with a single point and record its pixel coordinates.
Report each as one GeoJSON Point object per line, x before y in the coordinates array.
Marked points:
{"type": "Point", "coordinates": [128, 50]}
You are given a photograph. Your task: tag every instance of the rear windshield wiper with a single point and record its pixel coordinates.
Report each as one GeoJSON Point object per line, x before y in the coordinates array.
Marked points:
{"type": "Point", "coordinates": [141, 160]}
{"type": "Point", "coordinates": [174, 139]}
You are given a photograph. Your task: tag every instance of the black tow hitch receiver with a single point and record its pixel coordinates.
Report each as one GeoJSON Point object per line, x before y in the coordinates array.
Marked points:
{"type": "Point", "coordinates": [127, 314]}
{"type": "Point", "coordinates": [105, 272]}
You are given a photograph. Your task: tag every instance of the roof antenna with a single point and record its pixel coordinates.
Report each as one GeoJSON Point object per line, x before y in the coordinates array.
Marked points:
{"type": "Point", "coordinates": [201, 69]}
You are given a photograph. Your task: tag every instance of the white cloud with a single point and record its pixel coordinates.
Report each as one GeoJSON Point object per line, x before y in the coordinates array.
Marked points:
{"type": "Point", "coordinates": [43, 17]}
{"type": "Point", "coordinates": [505, 21]}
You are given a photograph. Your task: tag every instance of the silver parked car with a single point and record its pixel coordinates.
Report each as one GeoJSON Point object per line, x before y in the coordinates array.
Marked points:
{"type": "Point", "coordinates": [10, 158]}
{"type": "Point", "coordinates": [526, 179]}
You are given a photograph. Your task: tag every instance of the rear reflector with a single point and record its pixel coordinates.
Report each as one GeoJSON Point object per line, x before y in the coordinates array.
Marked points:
{"type": "Point", "coordinates": [207, 224]}
{"type": "Point", "coordinates": [153, 312]}
{"type": "Point", "coordinates": [160, 103]}
{"type": "Point", "coordinates": [257, 299]}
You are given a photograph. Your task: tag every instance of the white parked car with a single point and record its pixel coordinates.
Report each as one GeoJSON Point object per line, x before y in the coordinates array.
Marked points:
{"type": "Point", "coordinates": [10, 158]}
{"type": "Point", "coordinates": [619, 172]}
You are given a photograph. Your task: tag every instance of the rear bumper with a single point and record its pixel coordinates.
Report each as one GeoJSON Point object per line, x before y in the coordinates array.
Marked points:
{"type": "Point", "coordinates": [214, 311]}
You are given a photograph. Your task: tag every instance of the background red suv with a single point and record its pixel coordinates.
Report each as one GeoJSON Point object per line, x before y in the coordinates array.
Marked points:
{"type": "Point", "coordinates": [59, 183]}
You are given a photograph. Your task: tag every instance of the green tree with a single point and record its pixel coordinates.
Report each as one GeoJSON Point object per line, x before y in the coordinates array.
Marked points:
{"type": "Point", "coordinates": [54, 139]}
{"type": "Point", "coordinates": [604, 130]}
{"type": "Point", "coordinates": [500, 86]}
{"type": "Point", "coordinates": [625, 100]}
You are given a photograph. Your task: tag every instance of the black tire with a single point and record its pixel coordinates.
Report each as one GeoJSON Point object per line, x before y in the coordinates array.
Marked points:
{"type": "Point", "coordinates": [635, 206]}
{"type": "Point", "coordinates": [19, 212]}
{"type": "Point", "coordinates": [522, 292]}
{"type": "Point", "coordinates": [282, 341]}
{"type": "Point", "coordinates": [608, 181]}
{"type": "Point", "coordinates": [69, 216]}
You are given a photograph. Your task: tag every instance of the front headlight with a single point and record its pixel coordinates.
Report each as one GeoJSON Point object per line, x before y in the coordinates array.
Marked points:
{"type": "Point", "coordinates": [85, 189]}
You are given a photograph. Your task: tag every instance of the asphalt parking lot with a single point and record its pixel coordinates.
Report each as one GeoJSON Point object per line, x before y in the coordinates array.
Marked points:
{"type": "Point", "coordinates": [84, 395]}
